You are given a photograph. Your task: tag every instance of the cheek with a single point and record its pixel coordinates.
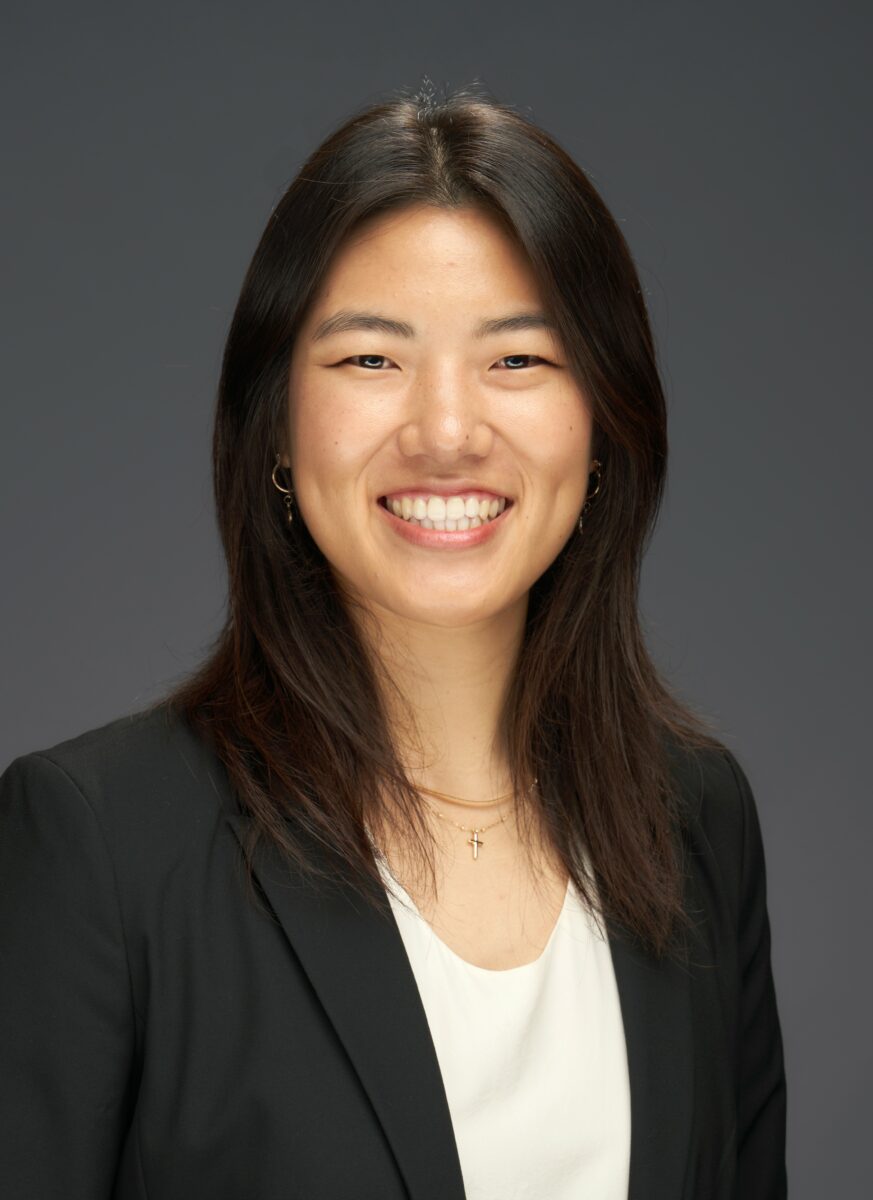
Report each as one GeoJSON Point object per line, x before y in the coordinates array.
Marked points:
{"type": "Point", "coordinates": [330, 441]}
{"type": "Point", "coordinates": [563, 449]}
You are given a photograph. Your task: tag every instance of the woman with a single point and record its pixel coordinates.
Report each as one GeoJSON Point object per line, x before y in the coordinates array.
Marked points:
{"type": "Point", "coordinates": [424, 885]}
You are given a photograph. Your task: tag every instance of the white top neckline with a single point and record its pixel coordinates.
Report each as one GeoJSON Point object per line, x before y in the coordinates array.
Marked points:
{"type": "Point", "coordinates": [535, 964]}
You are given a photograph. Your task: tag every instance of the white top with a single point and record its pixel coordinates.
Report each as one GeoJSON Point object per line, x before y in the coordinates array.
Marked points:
{"type": "Point", "coordinates": [533, 1059]}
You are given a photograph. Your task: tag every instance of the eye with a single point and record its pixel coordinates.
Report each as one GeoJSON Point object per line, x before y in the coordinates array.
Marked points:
{"type": "Point", "coordinates": [353, 359]}
{"type": "Point", "coordinates": [536, 357]}
{"type": "Point", "coordinates": [366, 361]}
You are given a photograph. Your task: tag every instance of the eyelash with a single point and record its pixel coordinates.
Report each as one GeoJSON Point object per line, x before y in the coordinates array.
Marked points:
{"type": "Point", "coordinates": [514, 370]}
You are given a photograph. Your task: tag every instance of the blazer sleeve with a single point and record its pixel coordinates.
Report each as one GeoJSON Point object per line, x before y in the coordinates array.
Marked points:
{"type": "Point", "coordinates": [66, 1018]}
{"type": "Point", "coordinates": [761, 1087]}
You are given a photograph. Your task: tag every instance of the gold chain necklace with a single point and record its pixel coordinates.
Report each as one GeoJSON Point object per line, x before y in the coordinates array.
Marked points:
{"type": "Point", "coordinates": [475, 841]}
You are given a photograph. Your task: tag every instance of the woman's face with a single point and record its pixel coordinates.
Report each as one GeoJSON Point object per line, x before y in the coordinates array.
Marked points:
{"type": "Point", "coordinates": [396, 391]}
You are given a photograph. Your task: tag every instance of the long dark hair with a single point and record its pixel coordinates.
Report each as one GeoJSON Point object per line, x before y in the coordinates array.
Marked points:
{"type": "Point", "coordinates": [289, 695]}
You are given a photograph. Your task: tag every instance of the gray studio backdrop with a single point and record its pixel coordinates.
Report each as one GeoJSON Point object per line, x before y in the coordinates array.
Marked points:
{"type": "Point", "coordinates": [143, 149]}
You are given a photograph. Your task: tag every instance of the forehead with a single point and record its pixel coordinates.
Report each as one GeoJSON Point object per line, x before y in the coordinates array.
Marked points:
{"type": "Point", "coordinates": [441, 226]}
{"type": "Point", "coordinates": [452, 264]}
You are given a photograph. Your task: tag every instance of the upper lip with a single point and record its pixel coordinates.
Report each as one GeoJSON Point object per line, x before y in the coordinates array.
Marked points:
{"type": "Point", "coordinates": [446, 487]}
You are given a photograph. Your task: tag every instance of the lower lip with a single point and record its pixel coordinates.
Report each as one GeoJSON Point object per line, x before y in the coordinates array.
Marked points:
{"type": "Point", "coordinates": [445, 539]}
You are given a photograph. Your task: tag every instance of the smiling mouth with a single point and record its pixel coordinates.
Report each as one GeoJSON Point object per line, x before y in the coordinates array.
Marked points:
{"type": "Point", "coordinates": [486, 512]}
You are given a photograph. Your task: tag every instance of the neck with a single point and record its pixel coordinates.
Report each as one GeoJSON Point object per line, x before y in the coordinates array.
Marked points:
{"type": "Point", "coordinates": [450, 683]}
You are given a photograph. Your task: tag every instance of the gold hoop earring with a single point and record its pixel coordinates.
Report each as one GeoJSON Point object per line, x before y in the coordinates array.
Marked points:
{"type": "Point", "coordinates": [287, 491]}
{"type": "Point", "coordinates": [595, 470]}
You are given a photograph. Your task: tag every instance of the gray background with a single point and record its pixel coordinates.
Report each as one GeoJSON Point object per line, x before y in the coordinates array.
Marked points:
{"type": "Point", "coordinates": [143, 150]}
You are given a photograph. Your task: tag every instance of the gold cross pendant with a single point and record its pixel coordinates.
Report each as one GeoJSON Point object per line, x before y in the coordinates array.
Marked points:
{"type": "Point", "coordinates": [475, 841]}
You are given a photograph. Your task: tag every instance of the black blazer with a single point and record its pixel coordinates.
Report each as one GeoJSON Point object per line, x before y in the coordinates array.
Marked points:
{"type": "Point", "coordinates": [163, 1038]}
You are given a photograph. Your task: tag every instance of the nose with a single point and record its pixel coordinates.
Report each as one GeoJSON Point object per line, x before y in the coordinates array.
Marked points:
{"type": "Point", "coordinates": [446, 418]}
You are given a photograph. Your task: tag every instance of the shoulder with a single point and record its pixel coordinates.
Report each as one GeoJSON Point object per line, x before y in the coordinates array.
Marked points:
{"type": "Point", "coordinates": [711, 785]}
{"type": "Point", "coordinates": [721, 824]}
{"type": "Point", "coordinates": [141, 774]}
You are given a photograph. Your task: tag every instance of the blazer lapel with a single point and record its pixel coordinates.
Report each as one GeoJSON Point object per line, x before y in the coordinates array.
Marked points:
{"type": "Point", "coordinates": [656, 1013]}
{"type": "Point", "coordinates": [382, 1023]}
{"type": "Point", "coordinates": [355, 959]}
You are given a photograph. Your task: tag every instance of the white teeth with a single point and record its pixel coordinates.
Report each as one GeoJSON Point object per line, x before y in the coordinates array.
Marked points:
{"type": "Point", "coordinates": [452, 513]}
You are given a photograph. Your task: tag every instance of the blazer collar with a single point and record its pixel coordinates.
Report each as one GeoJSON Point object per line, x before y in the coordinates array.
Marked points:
{"type": "Point", "coordinates": [356, 961]}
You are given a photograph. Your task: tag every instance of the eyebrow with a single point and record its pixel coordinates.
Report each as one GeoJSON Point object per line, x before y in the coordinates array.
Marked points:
{"type": "Point", "coordinates": [347, 319]}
